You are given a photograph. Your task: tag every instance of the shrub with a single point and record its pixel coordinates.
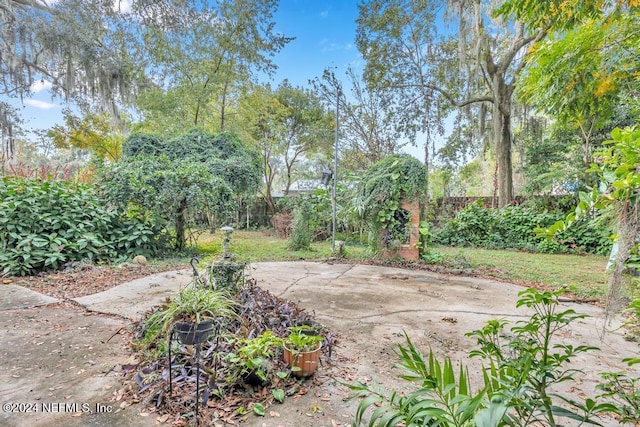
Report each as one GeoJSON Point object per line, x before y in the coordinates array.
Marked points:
{"type": "Point", "coordinates": [45, 224]}
{"type": "Point", "coordinates": [515, 227]}
{"type": "Point", "coordinates": [302, 235]}
{"type": "Point", "coordinates": [182, 179]}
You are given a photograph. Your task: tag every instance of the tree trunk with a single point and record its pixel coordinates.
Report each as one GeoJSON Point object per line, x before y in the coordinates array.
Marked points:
{"type": "Point", "coordinates": [223, 107]}
{"type": "Point", "coordinates": [180, 222]}
{"type": "Point", "coordinates": [289, 176]}
{"type": "Point", "coordinates": [502, 139]}
{"type": "Point", "coordinates": [425, 204]}
{"type": "Point", "coordinates": [268, 198]}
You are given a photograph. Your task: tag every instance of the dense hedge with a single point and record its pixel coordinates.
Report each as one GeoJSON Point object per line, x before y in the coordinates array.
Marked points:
{"type": "Point", "coordinates": [45, 224]}
{"type": "Point", "coordinates": [512, 227]}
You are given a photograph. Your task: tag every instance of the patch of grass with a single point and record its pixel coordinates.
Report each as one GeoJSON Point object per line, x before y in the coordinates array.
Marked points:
{"type": "Point", "coordinates": [258, 246]}
{"type": "Point", "coordinates": [583, 275]}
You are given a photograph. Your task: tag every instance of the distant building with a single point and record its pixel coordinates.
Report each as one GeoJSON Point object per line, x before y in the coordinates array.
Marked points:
{"type": "Point", "coordinates": [304, 186]}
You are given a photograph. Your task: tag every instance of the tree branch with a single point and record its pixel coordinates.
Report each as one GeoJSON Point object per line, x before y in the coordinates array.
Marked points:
{"type": "Point", "coordinates": [448, 96]}
{"type": "Point", "coordinates": [518, 44]}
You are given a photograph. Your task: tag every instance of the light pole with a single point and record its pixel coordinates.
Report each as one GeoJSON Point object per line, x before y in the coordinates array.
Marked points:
{"type": "Point", "coordinates": [335, 175]}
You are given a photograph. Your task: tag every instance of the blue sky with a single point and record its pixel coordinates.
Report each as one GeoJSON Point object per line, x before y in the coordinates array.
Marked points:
{"type": "Point", "coordinates": [324, 32]}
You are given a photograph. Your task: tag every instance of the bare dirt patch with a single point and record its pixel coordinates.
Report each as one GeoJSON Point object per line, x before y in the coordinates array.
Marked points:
{"type": "Point", "coordinates": [82, 279]}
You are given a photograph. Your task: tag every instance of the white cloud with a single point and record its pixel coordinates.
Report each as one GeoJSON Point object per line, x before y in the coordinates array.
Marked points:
{"type": "Point", "coordinates": [327, 45]}
{"type": "Point", "coordinates": [40, 85]}
{"type": "Point", "coordinates": [324, 14]}
{"type": "Point", "coordinates": [43, 105]}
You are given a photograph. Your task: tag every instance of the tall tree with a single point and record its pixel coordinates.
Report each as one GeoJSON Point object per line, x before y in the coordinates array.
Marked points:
{"type": "Point", "coordinates": [308, 128]}
{"type": "Point", "coordinates": [262, 115]}
{"type": "Point", "coordinates": [404, 51]}
{"type": "Point", "coordinates": [287, 125]}
{"type": "Point", "coordinates": [92, 132]}
{"type": "Point", "coordinates": [200, 62]}
{"type": "Point", "coordinates": [79, 46]}
{"type": "Point", "coordinates": [104, 51]}
{"type": "Point", "coordinates": [585, 70]}
{"type": "Point", "coordinates": [369, 125]}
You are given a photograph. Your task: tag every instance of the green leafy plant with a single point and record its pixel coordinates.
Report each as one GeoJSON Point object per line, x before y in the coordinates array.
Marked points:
{"type": "Point", "coordinates": [439, 399]}
{"type": "Point", "coordinates": [302, 339]}
{"type": "Point", "coordinates": [251, 356]}
{"type": "Point", "coordinates": [45, 224]}
{"type": "Point", "coordinates": [624, 390]}
{"type": "Point", "coordinates": [517, 227]}
{"type": "Point", "coordinates": [526, 363]}
{"type": "Point", "coordinates": [616, 195]}
{"type": "Point", "coordinates": [301, 236]}
{"type": "Point", "coordinates": [278, 394]}
{"type": "Point", "coordinates": [521, 368]}
{"type": "Point", "coordinates": [193, 304]}
{"type": "Point", "coordinates": [228, 275]}
{"type": "Point", "coordinates": [381, 191]}
{"type": "Point", "coordinates": [182, 179]}
{"type": "Point", "coordinates": [425, 243]}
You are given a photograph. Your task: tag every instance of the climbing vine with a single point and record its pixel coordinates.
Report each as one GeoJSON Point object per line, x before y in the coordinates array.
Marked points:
{"type": "Point", "coordinates": [382, 189]}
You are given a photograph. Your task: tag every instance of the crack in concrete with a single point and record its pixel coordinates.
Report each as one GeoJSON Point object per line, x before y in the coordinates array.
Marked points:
{"type": "Point", "coordinates": [87, 310]}
{"type": "Point", "coordinates": [341, 274]}
{"type": "Point", "coordinates": [295, 282]}
{"type": "Point", "coordinates": [309, 274]}
{"type": "Point", "coordinates": [426, 311]}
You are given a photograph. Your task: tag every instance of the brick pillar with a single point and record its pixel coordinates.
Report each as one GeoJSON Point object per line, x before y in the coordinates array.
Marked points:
{"type": "Point", "coordinates": [408, 251]}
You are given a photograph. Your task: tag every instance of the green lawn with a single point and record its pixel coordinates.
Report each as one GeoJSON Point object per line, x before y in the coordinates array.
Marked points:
{"type": "Point", "coordinates": [259, 246]}
{"type": "Point", "coordinates": [584, 275]}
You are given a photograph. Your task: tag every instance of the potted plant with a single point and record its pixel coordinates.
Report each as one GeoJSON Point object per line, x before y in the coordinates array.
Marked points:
{"type": "Point", "coordinates": [302, 350]}
{"type": "Point", "coordinates": [192, 313]}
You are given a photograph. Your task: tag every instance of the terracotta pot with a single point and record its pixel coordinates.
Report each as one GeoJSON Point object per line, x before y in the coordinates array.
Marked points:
{"type": "Point", "coordinates": [190, 333]}
{"type": "Point", "coordinates": [307, 362]}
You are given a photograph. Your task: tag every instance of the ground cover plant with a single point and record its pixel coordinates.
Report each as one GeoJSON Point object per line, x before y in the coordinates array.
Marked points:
{"type": "Point", "coordinates": [242, 369]}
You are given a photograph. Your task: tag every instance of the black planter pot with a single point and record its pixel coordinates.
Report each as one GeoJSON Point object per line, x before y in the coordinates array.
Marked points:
{"type": "Point", "coordinates": [253, 379]}
{"type": "Point", "coordinates": [190, 333]}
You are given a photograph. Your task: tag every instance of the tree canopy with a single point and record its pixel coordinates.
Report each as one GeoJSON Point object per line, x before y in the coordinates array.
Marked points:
{"type": "Point", "coordinates": [472, 57]}
{"type": "Point", "coordinates": [181, 179]}
{"type": "Point", "coordinates": [285, 125]}
{"type": "Point", "coordinates": [186, 55]}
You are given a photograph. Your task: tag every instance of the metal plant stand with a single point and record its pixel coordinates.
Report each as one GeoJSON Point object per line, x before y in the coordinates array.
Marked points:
{"type": "Point", "coordinates": [173, 337]}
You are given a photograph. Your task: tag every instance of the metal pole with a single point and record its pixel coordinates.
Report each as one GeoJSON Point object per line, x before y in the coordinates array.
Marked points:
{"type": "Point", "coordinates": [335, 176]}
